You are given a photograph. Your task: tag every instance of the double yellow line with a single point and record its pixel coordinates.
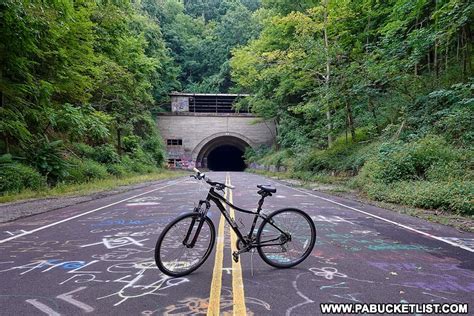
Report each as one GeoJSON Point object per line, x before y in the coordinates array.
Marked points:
{"type": "Point", "coordinates": [239, 307]}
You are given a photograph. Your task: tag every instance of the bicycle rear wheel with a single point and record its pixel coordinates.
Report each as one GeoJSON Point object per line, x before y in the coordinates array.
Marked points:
{"type": "Point", "coordinates": [286, 238]}
{"type": "Point", "coordinates": [185, 244]}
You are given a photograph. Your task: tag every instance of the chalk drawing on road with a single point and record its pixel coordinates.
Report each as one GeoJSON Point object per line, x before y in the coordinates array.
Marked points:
{"type": "Point", "coordinates": [340, 285]}
{"type": "Point", "coordinates": [134, 289]}
{"type": "Point", "coordinates": [306, 299]}
{"type": "Point", "coordinates": [111, 243]}
{"type": "Point", "coordinates": [331, 219]}
{"type": "Point", "coordinates": [349, 297]}
{"type": "Point", "coordinates": [330, 273]}
{"type": "Point", "coordinates": [15, 232]}
{"type": "Point", "coordinates": [145, 201]}
{"type": "Point", "coordinates": [364, 232]}
{"type": "Point", "coordinates": [42, 307]}
{"type": "Point", "coordinates": [199, 306]}
{"type": "Point", "coordinates": [327, 272]}
{"type": "Point", "coordinates": [67, 297]}
{"type": "Point", "coordinates": [47, 265]}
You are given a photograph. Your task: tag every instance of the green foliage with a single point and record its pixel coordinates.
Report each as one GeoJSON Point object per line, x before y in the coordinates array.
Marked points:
{"type": "Point", "coordinates": [253, 155]}
{"type": "Point", "coordinates": [79, 73]}
{"type": "Point", "coordinates": [15, 177]}
{"type": "Point", "coordinates": [105, 154]}
{"type": "Point", "coordinates": [200, 35]}
{"type": "Point", "coordinates": [131, 143]}
{"type": "Point", "coordinates": [391, 77]}
{"type": "Point", "coordinates": [154, 148]}
{"type": "Point", "coordinates": [418, 160]}
{"type": "Point", "coordinates": [48, 158]}
{"type": "Point", "coordinates": [450, 196]}
{"type": "Point", "coordinates": [117, 169]}
{"type": "Point", "coordinates": [81, 171]}
{"type": "Point", "coordinates": [137, 165]}
{"type": "Point", "coordinates": [83, 150]}
{"type": "Point", "coordinates": [344, 156]}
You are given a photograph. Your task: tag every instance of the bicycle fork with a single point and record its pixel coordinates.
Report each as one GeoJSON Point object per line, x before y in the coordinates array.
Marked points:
{"type": "Point", "coordinates": [200, 220]}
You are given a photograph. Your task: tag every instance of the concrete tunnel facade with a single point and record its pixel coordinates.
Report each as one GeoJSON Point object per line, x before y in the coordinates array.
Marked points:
{"type": "Point", "coordinates": [212, 140]}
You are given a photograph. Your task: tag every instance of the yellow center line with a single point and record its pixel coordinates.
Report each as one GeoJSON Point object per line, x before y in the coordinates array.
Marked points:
{"type": "Point", "coordinates": [237, 281]}
{"type": "Point", "coordinates": [216, 285]}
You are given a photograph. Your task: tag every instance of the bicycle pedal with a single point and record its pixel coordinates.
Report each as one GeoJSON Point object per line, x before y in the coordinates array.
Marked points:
{"type": "Point", "coordinates": [235, 256]}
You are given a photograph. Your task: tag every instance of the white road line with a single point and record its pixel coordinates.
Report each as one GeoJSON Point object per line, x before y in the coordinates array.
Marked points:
{"type": "Point", "coordinates": [82, 214]}
{"type": "Point", "coordinates": [385, 220]}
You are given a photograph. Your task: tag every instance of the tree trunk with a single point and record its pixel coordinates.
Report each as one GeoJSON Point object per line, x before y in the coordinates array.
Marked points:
{"type": "Point", "coordinates": [372, 110]}
{"type": "Point", "coordinates": [328, 72]}
{"type": "Point", "coordinates": [428, 60]}
{"type": "Point", "coordinates": [119, 140]}
{"type": "Point", "coordinates": [457, 47]}
{"type": "Point", "coordinates": [7, 143]}
{"type": "Point", "coordinates": [468, 52]}
{"type": "Point", "coordinates": [277, 145]}
{"type": "Point", "coordinates": [446, 57]}
{"type": "Point", "coordinates": [435, 58]}
{"type": "Point", "coordinates": [350, 120]}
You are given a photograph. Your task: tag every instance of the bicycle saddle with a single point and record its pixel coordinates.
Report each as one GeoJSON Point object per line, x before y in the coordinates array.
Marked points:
{"type": "Point", "coordinates": [267, 188]}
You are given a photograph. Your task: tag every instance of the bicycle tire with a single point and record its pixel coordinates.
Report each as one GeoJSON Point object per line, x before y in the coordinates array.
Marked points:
{"type": "Point", "coordinates": [274, 258]}
{"type": "Point", "coordinates": [159, 251]}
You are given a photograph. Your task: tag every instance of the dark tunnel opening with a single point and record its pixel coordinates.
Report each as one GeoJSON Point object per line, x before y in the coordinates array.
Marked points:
{"type": "Point", "coordinates": [226, 158]}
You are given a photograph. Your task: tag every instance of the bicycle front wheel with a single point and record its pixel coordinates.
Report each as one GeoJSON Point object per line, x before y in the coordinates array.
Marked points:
{"type": "Point", "coordinates": [184, 244]}
{"type": "Point", "coordinates": [286, 238]}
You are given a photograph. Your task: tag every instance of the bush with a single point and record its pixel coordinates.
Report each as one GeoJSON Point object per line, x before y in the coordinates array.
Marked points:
{"type": "Point", "coordinates": [252, 155]}
{"type": "Point", "coordinates": [452, 170]}
{"type": "Point", "coordinates": [154, 148]}
{"type": "Point", "coordinates": [83, 150]}
{"type": "Point", "coordinates": [450, 196]}
{"type": "Point", "coordinates": [15, 177]}
{"type": "Point", "coordinates": [47, 158]}
{"type": "Point", "coordinates": [106, 154]}
{"type": "Point", "coordinates": [131, 143]}
{"type": "Point", "coordinates": [276, 158]}
{"type": "Point", "coordinates": [418, 160]}
{"type": "Point", "coordinates": [341, 157]}
{"type": "Point", "coordinates": [137, 166]}
{"type": "Point", "coordinates": [117, 169]}
{"type": "Point", "coordinates": [81, 171]}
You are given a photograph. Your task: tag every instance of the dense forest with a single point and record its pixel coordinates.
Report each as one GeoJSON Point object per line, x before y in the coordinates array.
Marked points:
{"type": "Point", "coordinates": [81, 80]}
{"type": "Point", "coordinates": [379, 93]}
{"type": "Point", "coordinates": [379, 90]}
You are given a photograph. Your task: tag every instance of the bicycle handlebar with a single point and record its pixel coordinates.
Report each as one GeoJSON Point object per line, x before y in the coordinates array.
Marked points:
{"type": "Point", "coordinates": [201, 176]}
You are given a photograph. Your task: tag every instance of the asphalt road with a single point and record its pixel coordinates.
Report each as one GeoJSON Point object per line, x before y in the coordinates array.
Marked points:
{"type": "Point", "coordinates": [97, 258]}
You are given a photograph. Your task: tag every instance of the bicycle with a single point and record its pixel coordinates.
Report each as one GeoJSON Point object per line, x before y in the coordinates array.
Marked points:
{"type": "Point", "coordinates": [284, 238]}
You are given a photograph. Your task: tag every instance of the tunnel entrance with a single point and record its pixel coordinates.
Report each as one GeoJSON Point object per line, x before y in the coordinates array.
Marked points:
{"type": "Point", "coordinates": [223, 153]}
{"type": "Point", "coordinates": [226, 158]}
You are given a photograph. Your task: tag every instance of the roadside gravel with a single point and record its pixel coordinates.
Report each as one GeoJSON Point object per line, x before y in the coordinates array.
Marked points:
{"type": "Point", "coordinates": [19, 209]}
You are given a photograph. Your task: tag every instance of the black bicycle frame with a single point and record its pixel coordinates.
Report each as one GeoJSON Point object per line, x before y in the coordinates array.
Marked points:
{"type": "Point", "coordinates": [218, 199]}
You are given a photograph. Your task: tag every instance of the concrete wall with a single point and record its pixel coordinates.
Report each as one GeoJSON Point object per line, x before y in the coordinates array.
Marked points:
{"type": "Point", "coordinates": [199, 129]}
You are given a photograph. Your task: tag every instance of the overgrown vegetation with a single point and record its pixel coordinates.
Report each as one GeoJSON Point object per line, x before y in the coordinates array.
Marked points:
{"type": "Point", "coordinates": [380, 93]}
{"type": "Point", "coordinates": [80, 81]}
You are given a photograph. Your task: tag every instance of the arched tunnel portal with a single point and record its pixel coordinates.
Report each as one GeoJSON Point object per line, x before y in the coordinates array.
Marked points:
{"type": "Point", "coordinates": [223, 153]}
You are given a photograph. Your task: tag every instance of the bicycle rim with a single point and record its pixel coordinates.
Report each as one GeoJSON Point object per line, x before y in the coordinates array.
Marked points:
{"type": "Point", "coordinates": [276, 229]}
{"type": "Point", "coordinates": [173, 257]}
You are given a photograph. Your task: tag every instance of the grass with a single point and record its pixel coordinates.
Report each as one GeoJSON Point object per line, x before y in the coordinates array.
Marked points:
{"type": "Point", "coordinates": [92, 186]}
{"type": "Point", "coordinates": [304, 177]}
{"type": "Point", "coordinates": [340, 186]}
